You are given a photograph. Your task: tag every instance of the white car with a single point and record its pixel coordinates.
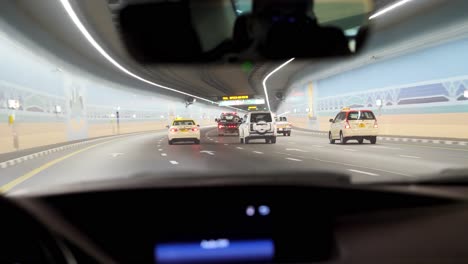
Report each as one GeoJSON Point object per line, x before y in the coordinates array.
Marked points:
{"type": "Point", "coordinates": [354, 124]}
{"type": "Point", "coordinates": [258, 125]}
{"type": "Point", "coordinates": [183, 130]}
{"type": "Point", "coordinates": [283, 126]}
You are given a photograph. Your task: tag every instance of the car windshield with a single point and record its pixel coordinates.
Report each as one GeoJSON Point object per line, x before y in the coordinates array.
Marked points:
{"type": "Point", "coordinates": [259, 117]}
{"type": "Point", "coordinates": [361, 115]}
{"type": "Point", "coordinates": [228, 117]}
{"type": "Point", "coordinates": [184, 123]}
{"type": "Point", "coordinates": [78, 105]}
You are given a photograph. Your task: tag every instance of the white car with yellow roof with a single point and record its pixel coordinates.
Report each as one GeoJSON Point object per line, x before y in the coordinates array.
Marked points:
{"type": "Point", "coordinates": [183, 130]}
{"type": "Point", "coordinates": [351, 124]}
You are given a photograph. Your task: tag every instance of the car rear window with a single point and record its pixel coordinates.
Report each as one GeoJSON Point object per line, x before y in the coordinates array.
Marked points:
{"type": "Point", "coordinates": [359, 115]}
{"type": "Point", "coordinates": [230, 118]}
{"type": "Point", "coordinates": [184, 123]}
{"type": "Point", "coordinates": [255, 118]}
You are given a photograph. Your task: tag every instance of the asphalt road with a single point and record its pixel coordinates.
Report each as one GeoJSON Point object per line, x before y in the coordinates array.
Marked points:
{"type": "Point", "coordinates": [128, 156]}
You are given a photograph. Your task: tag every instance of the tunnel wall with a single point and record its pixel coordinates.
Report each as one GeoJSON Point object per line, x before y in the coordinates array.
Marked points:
{"type": "Point", "coordinates": [88, 105]}
{"type": "Point", "coordinates": [422, 94]}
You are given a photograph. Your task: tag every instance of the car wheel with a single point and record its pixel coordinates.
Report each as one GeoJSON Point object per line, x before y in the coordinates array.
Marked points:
{"type": "Point", "coordinates": [289, 134]}
{"type": "Point", "coordinates": [197, 142]}
{"type": "Point", "coordinates": [220, 135]}
{"type": "Point", "coordinates": [360, 141]}
{"type": "Point", "coordinates": [246, 141]}
{"type": "Point", "coordinates": [284, 134]}
{"type": "Point", "coordinates": [332, 141]}
{"type": "Point", "coordinates": [273, 140]}
{"type": "Point", "coordinates": [170, 142]}
{"type": "Point", "coordinates": [342, 138]}
{"type": "Point", "coordinates": [242, 141]}
{"type": "Point", "coordinates": [373, 140]}
{"type": "Point", "coordinates": [267, 141]}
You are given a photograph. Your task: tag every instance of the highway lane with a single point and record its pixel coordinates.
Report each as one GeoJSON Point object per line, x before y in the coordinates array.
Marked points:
{"type": "Point", "coordinates": [149, 153]}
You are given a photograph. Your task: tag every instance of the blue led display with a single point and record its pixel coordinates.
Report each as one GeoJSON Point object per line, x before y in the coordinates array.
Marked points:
{"type": "Point", "coordinates": [219, 251]}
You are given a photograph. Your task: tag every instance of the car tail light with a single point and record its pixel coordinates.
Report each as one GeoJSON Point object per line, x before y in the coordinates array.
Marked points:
{"type": "Point", "coordinates": [194, 129]}
{"type": "Point", "coordinates": [347, 126]}
{"type": "Point", "coordinates": [174, 130]}
{"type": "Point", "coordinates": [375, 124]}
{"type": "Point", "coordinates": [220, 126]}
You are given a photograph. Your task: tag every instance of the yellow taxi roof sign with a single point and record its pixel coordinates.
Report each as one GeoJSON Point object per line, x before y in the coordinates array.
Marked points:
{"type": "Point", "coordinates": [346, 109]}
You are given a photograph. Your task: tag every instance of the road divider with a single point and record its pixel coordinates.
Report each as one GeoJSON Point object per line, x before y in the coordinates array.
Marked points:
{"type": "Point", "coordinates": [15, 161]}
{"type": "Point", "coordinates": [7, 187]}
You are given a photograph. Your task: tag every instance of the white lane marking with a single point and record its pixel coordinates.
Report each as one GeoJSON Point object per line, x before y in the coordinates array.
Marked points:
{"type": "Point", "coordinates": [317, 146]}
{"type": "Point", "coordinates": [211, 139]}
{"type": "Point", "coordinates": [114, 155]}
{"type": "Point", "coordinates": [216, 141]}
{"type": "Point", "coordinates": [164, 154]}
{"type": "Point", "coordinates": [293, 159]}
{"type": "Point", "coordinates": [383, 147]}
{"type": "Point", "coordinates": [173, 162]}
{"type": "Point", "coordinates": [160, 149]}
{"type": "Point", "coordinates": [226, 144]}
{"type": "Point", "coordinates": [289, 154]}
{"type": "Point", "coordinates": [298, 150]}
{"type": "Point", "coordinates": [410, 157]}
{"type": "Point", "coordinates": [3, 165]}
{"type": "Point", "coordinates": [209, 152]}
{"type": "Point", "coordinates": [350, 150]}
{"type": "Point", "coordinates": [239, 148]}
{"type": "Point", "coordinates": [363, 172]}
{"type": "Point", "coordinates": [258, 152]}
{"type": "Point", "coordinates": [346, 164]}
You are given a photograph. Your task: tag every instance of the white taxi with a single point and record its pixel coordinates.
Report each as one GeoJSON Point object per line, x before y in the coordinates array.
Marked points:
{"type": "Point", "coordinates": [354, 124]}
{"type": "Point", "coordinates": [183, 130]}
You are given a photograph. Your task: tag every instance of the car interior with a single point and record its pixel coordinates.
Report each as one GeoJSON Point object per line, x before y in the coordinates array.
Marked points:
{"type": "Point", "coordinates": [278, 218]}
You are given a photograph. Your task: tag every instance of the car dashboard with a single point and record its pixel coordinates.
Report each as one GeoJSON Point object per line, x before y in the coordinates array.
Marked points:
{"type": "Point", "coordinates": [223, 222]}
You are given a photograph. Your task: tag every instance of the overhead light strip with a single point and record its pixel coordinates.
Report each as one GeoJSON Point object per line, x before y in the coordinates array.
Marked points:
{"type": "Point", "coordinates": [268, 76]}
{"type": "Point", "coordinates": [389, 8]}
{"type": "Point", "coordinates": [74, 17]}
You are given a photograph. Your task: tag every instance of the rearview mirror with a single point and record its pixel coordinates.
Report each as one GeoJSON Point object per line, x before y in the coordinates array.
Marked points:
{"type": "Point", "coordinates": [201, 31]}
{"type": "Point", "coordinates": [216, 120]}
{"type": "Point", "coordinates": [331, 120]}
{"type": "Point", "coordinates": [198, 125]}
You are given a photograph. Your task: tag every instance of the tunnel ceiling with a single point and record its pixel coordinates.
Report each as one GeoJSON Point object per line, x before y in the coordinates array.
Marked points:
{"type": "Point", "coordinates": [47, 25]}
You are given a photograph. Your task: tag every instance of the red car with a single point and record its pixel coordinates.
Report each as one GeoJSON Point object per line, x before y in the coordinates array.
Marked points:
{"type": "Point", "coordinates": [228, 124]}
